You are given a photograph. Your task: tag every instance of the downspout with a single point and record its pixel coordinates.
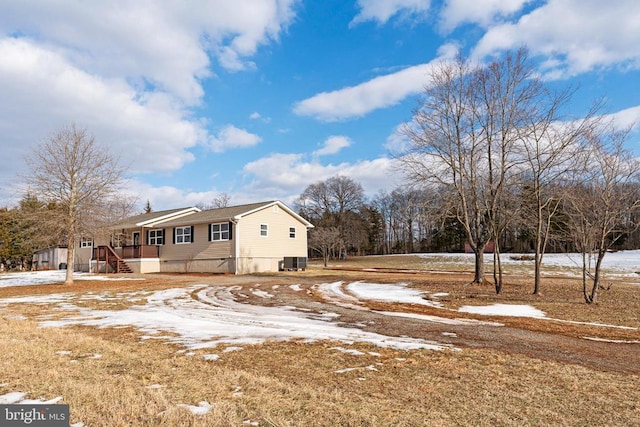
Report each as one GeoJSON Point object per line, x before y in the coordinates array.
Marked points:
{"type": "Point", "coordinates": [236, 244]}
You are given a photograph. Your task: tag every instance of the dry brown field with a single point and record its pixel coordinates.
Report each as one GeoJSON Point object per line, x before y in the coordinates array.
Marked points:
{"type": "Point", "coordinates": [529, 372]}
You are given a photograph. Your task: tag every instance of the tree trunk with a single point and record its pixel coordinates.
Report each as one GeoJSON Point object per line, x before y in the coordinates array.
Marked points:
{"type": "Point", "coordinates": [538, 255]}
{"type": "Point", "coordinates": [70, 255]}
{"type": "Point", "coordinates": [593, 295]}
{"type": "Point", "coordinates": [479, 265]}
{"type": "Point", "coordinates": [497, 268]}
{"type": "Point", "coordinates": [584, 277]}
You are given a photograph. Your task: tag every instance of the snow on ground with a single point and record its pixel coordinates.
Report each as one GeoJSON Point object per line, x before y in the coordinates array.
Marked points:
{"type": "Point", "coordinates": [513, 310]}
{"type": "Point", "coordinates": [201, 409]}
{"type": "Point", "coordinates": [396, 292]}
{"type": "Point", "coordinates": [213, 317]}
{"type": "Point", "coordinates": [621, 263]}
{"type": "Point", "coordinates": [28, 278]}
{"type": "Point", "coordinates": [16, 397]}
{"type": "Point", "coordinates": [333, 293]}
{"type": "Point", "coordinates": [438, 319]}
{"type": "Point", "coordinates": [204, 316]}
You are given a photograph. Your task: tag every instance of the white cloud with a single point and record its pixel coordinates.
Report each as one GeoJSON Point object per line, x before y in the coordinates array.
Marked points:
{"type": "Point", "coordinates": [333, 145]}
{"type": "Point", "coordinates": [285, 176]}
{"type": "Point", "coordinates": [484, 13]}
{"type": "Point", "coordinates": [127, 71]}
{"type": "Point", "coordinates": [379, 92]}
{"type": "Point", "coordinates": [397, 142]}
{"type": "Point", "coordinates": [168, 197]}
{"type": "Point", "coordinates": [166, 44]}
{"type": "Point", "coordinates": [233, 137]}
{"type": "Point", "coordinates": [382, 10]}
{"type": "Point", "coordinates": [42, 93]}
{"type": "Point", "coordinates": [576, 36]}
{"type": "Point", "coordinates": [257, 116]}
{"type": "Point", "coordinates": [628, 118]}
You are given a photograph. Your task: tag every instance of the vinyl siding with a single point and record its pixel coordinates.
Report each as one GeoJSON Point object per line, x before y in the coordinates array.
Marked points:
{"type": "Point", "coordinates": [200, 249]}
{"type": "Point", "coordinates": [277, 244]}
{"type": "Point", "coordinates": [82, 258]}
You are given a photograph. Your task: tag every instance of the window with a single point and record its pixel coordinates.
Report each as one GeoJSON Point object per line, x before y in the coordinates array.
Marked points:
{"type": "Point", "coordinates": [292, 232]}
{"type": "Point", "coordinates": [219, 232]}
{"type": "Point", "coordinates": [156, 237]}
{"type": "Point", "coordinates": [182, 235]}
{"type": "Point", "coordinates": [86, 242]}
{"type": "Point", "coordinates": [264, 230]}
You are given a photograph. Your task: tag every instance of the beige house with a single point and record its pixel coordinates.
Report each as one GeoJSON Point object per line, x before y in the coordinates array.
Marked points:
{"type": "Point", "coordinates": [250, 238]}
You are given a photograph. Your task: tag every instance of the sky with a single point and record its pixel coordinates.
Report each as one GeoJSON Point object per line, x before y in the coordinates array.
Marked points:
{"type": "Point", "coordinates": [258, 99]}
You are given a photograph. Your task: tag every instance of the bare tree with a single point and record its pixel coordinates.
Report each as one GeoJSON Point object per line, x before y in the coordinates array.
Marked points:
{"type": "Point", "coordinates": [464, 137]}
{"type": "Point", "coordinates": [81, 178]}
{"type": "Point", "coordinates": [604, 203]}
{"type": "Point", "coordinates": [445, 149]}
{"type": "Point", "coordinates": [549, 150]}
{"type": "Point", "coordinates": [221, 200]}
{"type": "Point", "coordinates": [325, 240]}
{"type": "Point", "coordinates": [335, 202]}
{"type": "Point", "coordinates": [333, 197]}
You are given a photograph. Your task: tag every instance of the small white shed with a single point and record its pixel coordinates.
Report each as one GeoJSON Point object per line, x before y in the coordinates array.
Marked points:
{"type": "Point", "coordinates": [51, 258]}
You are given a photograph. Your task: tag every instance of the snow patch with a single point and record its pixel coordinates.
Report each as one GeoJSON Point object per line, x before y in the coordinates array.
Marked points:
{"type": "Point", "coordinates": [17, 397]}
{"type": "Point", "coordinates": [514, 310]}
{"type": "Point", "coordinates": [202, 408]}
{"type": "Point", "coordinates": [261, 294]}
{"type": "Point", "coordinates": [48, 277]}
{"type": "Point", "coordinates": [612, 341]}
{"type": "Point", "coordinates": [396, 293]}
{"type": "Point", "coordinates": [207, 316]}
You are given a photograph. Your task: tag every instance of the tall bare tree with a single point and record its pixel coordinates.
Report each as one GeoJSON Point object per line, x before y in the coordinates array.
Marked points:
{"type": "Point", "coordinates": [550, 151]}
{"type": "Point", "coordinates": [464, 137]}
{"type": "Point", "coordinates": [80, 177]}
{"type": "Point", "coordinates": [336, 203]}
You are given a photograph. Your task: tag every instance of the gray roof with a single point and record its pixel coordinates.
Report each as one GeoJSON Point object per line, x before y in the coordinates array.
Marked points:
{"type": "Point", "coordinates": [133, 221]}
{"type": "Point", "coordinates": [199, 217]}
{"type": "Point", "coordinates": [216, 215]}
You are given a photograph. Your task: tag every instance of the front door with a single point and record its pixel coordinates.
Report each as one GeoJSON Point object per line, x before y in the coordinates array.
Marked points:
{"type": "Point", "coordinates": [135, 236]}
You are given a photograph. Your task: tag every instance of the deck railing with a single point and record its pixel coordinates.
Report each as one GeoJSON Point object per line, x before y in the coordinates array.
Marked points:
{"type": "Point", "coordinates": [140, 251]}
{"type": "Point", "coordinates": [129, 251]}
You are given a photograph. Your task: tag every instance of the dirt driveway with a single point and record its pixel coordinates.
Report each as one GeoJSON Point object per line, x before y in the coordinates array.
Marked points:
{"type": "Point", "coordinates": [545, 339]}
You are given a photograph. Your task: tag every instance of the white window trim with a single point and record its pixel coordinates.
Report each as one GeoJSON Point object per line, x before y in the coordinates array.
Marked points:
{"type": "Point", "coordinates": [220, 231]}
{"type": "Point", "coordinates": [155, 231]}
{"type": "Point", "coordinates": [266, 229]}
{"type": "Point", "coordinates": [294, 232]}
{"type": "Point", "coordinates": [86, 242]}
{"type": "Point", "coordinates": [175, 238]}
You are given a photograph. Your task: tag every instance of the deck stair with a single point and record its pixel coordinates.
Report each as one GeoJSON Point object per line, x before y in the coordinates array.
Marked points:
{"type": "Point", "coordinates": [110, 257]}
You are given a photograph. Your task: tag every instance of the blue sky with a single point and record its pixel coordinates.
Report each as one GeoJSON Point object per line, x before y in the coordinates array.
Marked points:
{"type": "Point", "coordinates": [260, 98]}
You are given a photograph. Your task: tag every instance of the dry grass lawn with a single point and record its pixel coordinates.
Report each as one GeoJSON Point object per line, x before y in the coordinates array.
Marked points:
{"type": "Point", "coordinates": [109, 377]}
